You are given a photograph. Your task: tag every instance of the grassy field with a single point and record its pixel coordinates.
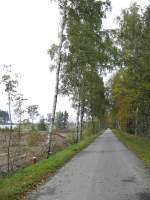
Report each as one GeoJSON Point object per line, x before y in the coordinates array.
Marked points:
{"type": "Point", "coordinates": [139, 145]}
{"type": "Point", "coordinates": [14, 187]}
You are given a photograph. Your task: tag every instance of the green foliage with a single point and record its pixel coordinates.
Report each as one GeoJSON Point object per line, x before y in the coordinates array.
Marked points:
{"type": "Point", "coordinates": [90, 52]}
{"type": "Point", "coordinates": [19, 106]}
{"type": "Point", "coordinates": [89, 126]}
{"type": "Point", "coordinates": [130, 87]}
{"type": "Point", "coordinates": [85, 52]}
{"type": "Point", "coordinates": [5, 130]}
{"type": "Point", "coordinates": [95, 95]}
{"type": "Point", "coordinates": [42, 125]}
{"type": "Point", "coordinates": [33, 113]}
{"type": "Point", "coordinates": [34, 138]}
{"type": "Point", "coordinates": [4, 117]}
{"type": "Point", "coordinates": [61, 119]}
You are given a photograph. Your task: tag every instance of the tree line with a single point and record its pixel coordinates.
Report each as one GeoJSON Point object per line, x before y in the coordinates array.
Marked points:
{"type": "Point", "coordinates": [130, 86]}
{"type": "Point", "coordinates": [4, 117]}
{"type": "Point", "coordinates": [85, 51]}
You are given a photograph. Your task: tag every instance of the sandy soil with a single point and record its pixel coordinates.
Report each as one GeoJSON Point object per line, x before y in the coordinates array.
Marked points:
{"type": "Point", "coordinates": [22, 152]}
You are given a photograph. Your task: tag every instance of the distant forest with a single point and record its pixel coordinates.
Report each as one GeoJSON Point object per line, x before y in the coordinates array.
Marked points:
{"type": "Point", "coordinates": [4, 117]}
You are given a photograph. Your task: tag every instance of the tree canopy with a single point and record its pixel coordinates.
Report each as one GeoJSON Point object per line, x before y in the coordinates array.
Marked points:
{"type": "Point", "coordinates": [130, 87]}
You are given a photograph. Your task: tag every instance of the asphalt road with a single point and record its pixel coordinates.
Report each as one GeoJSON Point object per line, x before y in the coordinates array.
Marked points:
{"type": "Point", "coordinates": [105, 170]}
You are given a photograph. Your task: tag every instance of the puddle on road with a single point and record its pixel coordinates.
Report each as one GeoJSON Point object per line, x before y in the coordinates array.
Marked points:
{"type": "Point", "coordinates": [144, 196]}
{"type": "Point", "coordinates": [130, 180]}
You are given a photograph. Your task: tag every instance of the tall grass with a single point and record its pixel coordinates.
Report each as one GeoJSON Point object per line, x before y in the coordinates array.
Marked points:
{"type": "Point", "coordinates": [140, 145]}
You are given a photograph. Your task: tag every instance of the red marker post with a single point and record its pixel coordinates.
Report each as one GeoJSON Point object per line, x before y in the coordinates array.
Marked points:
{"type": "Point", "coordinates": [34, 160]}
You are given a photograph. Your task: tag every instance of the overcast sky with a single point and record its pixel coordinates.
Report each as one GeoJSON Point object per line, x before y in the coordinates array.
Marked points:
{"type": "Point", "coordinates": [27, 28]}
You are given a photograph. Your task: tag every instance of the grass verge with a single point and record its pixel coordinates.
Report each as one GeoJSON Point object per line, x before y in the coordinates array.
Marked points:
{"type": "Point", "coordinates": [139, 145]}
{"type": "Point", "coordinates": [15, 186]}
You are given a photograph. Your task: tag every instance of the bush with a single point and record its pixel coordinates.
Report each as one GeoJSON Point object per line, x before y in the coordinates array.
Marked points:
{"type": "Point", "coordinates": [34, 138]}
{"type": "Point", "coordinates": [42, 125]}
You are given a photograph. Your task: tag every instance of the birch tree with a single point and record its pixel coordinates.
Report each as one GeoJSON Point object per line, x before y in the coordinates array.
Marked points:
{"type": "Point", "coordinates": [19, 110]}
{"type": "Point", "coordinates": [56, 52]}
{"type": "Point", "coordinates": [33, 113]}
{"type": "Point", "coordinates": [10, 83]}
{"type": "Point", "coordinates": [89, 52]}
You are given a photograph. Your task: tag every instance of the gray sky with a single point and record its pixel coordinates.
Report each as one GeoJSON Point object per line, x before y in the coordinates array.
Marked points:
{"type": "Point", "coordinates": [27, 28]}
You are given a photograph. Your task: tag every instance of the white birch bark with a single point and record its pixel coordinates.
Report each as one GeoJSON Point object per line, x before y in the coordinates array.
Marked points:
{"type": "Point", "coordinates": [57, 80]}
{"type": "Point", "coordinates": [78, 124]}
{"type": "Point", "coordinates": [81, 120]}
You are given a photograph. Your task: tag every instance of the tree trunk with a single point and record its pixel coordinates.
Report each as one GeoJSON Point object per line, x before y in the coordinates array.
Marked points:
{"type": "Point", "coordinates": [136, 121]}
{"type": "Point", "coordinates": [10, 135]}
{"type": "Point", "coordinates": [118, 125]}
{"type": "Point", "coordinates": [93, 125]}
{"type": "Point", "coordinates": [19, 129]}
{"type": "Point", "coordinates": [81, 120]}
{"type": "Point", "coordinates": [77, 124]}
{"type": "Point", "coordinates": [57, 82]}
{"type": "Point", "coordinates": [32, 126]}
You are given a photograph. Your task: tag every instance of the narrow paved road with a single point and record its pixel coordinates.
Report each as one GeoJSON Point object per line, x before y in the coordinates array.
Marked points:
{"type": "Point", "coordinates": [105, 170]}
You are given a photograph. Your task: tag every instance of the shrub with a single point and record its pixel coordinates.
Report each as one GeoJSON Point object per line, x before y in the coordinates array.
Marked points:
{"type": "Point", "coordinates": [34, 138]}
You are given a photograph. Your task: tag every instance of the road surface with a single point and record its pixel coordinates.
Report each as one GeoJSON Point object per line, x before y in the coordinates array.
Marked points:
{"type": "Point", "coordinates": [105, 170]}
